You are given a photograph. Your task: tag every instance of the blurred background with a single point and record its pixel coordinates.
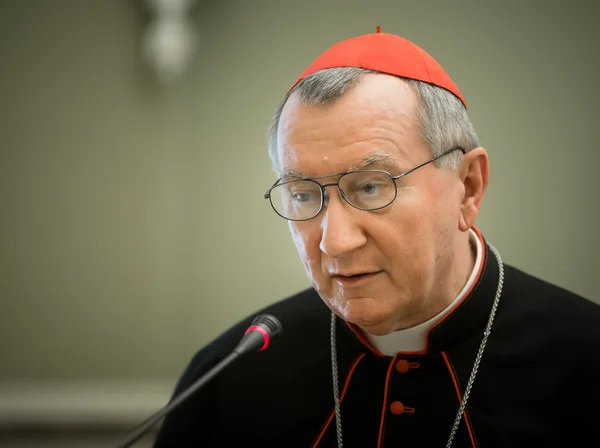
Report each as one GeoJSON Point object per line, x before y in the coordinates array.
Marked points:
{"type": "Point", "coordinates": [133, 164]}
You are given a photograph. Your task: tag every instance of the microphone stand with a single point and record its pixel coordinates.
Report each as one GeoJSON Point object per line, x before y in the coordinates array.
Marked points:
{"type": "Point", "coordinates": [200, 382]}
{"type": "Point", "coordinates": [257, 336]}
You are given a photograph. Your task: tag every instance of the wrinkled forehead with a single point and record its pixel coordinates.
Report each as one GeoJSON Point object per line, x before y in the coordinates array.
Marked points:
{"type": "Point", "coordinates": [371, 126]}
{"type": "Point", "coordinates": [373, 161]}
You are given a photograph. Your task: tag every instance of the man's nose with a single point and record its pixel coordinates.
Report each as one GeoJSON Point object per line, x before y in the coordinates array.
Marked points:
{"type": "Point", "coordinates": [340, 232]}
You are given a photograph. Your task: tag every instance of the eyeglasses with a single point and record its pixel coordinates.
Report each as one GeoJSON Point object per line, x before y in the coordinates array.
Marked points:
{"type": "Point", "coordinates": [303, 199]}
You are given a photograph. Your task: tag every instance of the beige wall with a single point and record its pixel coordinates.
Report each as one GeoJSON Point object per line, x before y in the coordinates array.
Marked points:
{"type": "Point", "coordinates": [132, 224]}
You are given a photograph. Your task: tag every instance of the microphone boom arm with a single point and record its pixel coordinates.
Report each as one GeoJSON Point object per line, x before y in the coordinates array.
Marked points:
{"type": "Point", "coordinates": [258, 336]}
{"type": "Point", "coordinates": [197, 385]}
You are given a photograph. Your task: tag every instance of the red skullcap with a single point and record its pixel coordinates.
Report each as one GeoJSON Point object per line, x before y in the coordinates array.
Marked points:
{"type": "Point", "coordinates": [386, 53]}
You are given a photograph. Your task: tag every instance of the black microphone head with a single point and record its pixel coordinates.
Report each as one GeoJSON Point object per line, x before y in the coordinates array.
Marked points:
{"type": "Point", "coordinates": [270, 324]}
{"type": "Point", "coordinates": [258, 336]}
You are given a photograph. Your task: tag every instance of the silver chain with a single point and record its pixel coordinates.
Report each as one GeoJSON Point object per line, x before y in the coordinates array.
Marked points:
{"type": "Point", "coordinates": [463, 404]}
{"type": "Point", "coordinates": [486, 334]}
{"type": "Point", "coordinates": [336, 389]}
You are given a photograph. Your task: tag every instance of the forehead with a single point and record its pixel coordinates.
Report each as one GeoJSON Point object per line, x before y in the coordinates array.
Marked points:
{"type": "Point", "coordinates": [375, 118]}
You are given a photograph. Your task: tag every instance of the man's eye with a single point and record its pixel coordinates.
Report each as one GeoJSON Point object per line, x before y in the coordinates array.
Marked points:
{"type": "Point", "coordinates": [370, 188]}
{"type": "Point", "coordinates": [302, 196]}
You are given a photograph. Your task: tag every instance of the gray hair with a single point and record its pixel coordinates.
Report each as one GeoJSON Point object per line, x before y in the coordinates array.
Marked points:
{"type": "Point", "coordinates": [442, 118]}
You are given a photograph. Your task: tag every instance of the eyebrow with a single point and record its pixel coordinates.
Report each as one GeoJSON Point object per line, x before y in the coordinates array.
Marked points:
{"type": "Point", "coordinates": [376, 158]}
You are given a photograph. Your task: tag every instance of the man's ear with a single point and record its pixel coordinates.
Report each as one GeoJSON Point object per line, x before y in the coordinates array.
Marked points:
{"type": "Point", "coordinates": [474, 174]}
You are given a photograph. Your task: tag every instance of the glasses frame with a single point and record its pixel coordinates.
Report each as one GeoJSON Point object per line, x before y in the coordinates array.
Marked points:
{"type": "Point", "coordinates": [341, 175]}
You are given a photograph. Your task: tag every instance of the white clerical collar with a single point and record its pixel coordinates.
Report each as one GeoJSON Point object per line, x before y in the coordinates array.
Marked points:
{"type": "Point", "coordinates": [414, 339]}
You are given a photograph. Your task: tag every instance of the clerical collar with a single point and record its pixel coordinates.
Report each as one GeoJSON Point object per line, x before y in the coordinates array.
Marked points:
{"type": "Point", "coordinates": [414, 339]}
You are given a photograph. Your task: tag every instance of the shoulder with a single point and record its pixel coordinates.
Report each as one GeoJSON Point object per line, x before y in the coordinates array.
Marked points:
{"type": "Point", "coordinates": [301, 315]}
{"type": "Point", "coordinates": [540, 307]}
{"type": "Point", "coordinates": [538, 293]}
{"type": "Point", "coordinates": [296, 313]}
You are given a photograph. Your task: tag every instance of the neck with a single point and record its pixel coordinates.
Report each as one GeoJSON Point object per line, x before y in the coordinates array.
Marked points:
{"type": "Point", "coordinates": [465, 262]}
{"type": "Point", "coordinates": [460, 269]}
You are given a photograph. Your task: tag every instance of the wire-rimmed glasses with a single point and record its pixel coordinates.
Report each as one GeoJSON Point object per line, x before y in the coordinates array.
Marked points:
{"type": "Point", "coordinates": [369, 190]}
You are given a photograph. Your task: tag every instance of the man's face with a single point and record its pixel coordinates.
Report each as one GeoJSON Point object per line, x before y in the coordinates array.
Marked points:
{"type": "Point", "coordinates": [382, 270]}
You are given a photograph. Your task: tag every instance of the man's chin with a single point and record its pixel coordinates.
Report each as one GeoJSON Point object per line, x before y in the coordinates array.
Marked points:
{"type": "Point", "coordinates": [372, 319]}
{"type": "Point", "coordinates": [375, 329]}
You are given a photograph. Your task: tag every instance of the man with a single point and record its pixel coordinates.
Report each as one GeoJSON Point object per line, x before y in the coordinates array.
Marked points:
{"type": "Point", "coordinates": [414, 333]}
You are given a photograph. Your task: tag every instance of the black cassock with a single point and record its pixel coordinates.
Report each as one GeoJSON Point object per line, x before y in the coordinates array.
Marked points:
{"type": "Point", "coordinates": [537, 384]}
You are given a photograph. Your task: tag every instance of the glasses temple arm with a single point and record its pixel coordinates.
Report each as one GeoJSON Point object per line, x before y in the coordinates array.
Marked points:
{"type": "Point", "coordinates": [456, 148]}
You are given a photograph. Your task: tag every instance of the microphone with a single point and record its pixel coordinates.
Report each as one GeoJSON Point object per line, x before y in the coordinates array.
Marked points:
{"type": "Point", "coordinates": [257, 337]}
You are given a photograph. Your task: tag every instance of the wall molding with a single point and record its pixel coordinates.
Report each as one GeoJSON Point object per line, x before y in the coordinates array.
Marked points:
{"type": "Point", "coordinates": [77, 403]}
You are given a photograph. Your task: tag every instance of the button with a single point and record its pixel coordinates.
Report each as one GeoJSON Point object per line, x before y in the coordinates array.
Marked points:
{"type": "Point", "coordinates": [402, 366]}
{"type": "Point", "coordinates": [397, 408]}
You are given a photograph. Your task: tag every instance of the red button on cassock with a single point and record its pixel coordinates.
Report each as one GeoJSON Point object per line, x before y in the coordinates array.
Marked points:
{"type": "Point", "coordinates": [402, 366]}
{"type": "Point", "coordinates": [397, 408]}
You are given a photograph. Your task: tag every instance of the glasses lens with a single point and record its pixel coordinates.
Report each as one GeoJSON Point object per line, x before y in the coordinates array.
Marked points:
{"type": "Point", "coordinates": [368, 190]}
{"type": "Point", "coordinates": [297, 200]}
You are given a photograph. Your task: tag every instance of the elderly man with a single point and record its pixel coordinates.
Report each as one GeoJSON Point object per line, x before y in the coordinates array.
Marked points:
{"type": "Point", "coordinates": [415, 333]}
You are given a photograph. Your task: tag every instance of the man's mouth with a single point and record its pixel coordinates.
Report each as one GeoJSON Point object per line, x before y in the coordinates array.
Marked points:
{"type": "Point", "coordinates": [354, 279]}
